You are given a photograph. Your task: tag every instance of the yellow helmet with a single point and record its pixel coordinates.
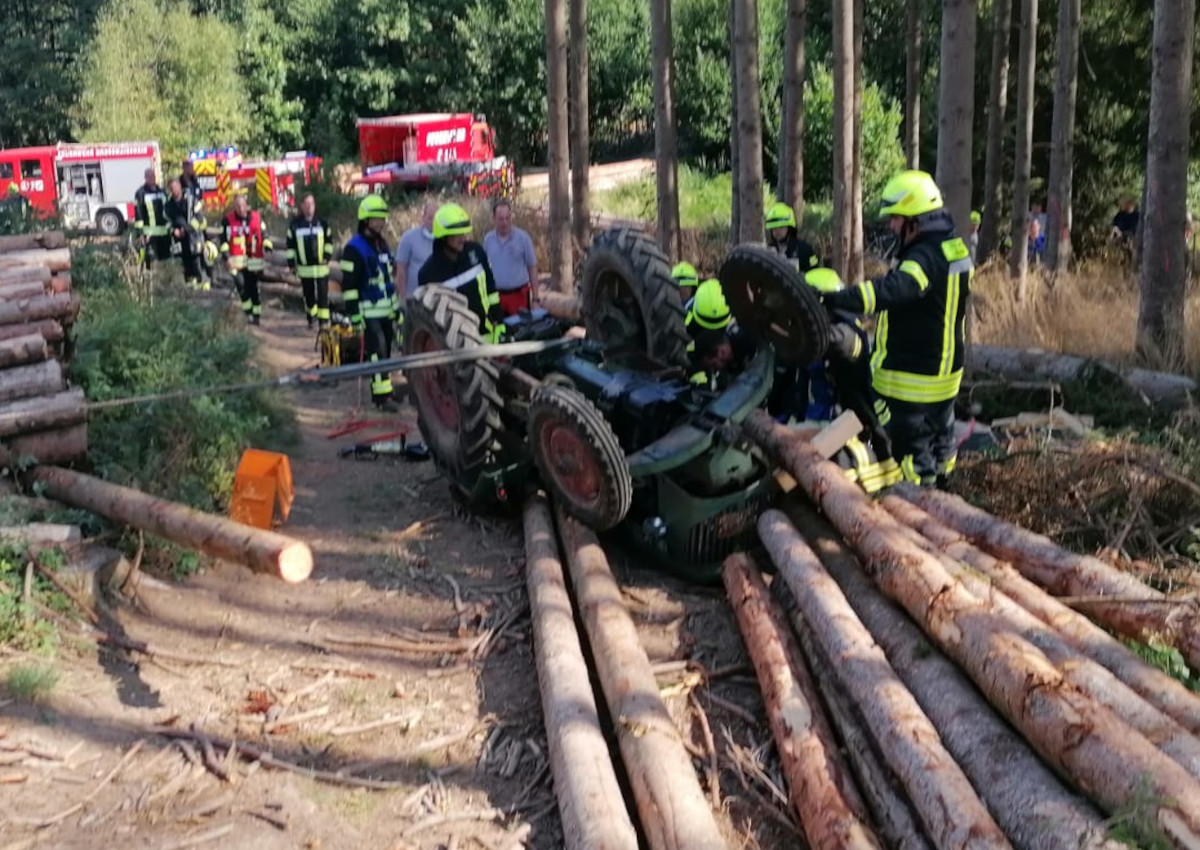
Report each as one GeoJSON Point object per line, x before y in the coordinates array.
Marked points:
{"type": "Point", "coordinates": [910, 194]}
{"type": "Point", "coordinates": [372, 206]}
{"type": "Point", "coordinates": [210, 253]}
{"type": "Point", "coordinates": [684, 274]}
{"type": "Point", "coordinates": [451, 220]}
{"type": "Point", "coordinates": [13, 189]}
{"type": "Point", "coordinates": [824, 281]}
{"type": "Point", "coordinates": [780, 215]}
{"type": "Point", "coordinates": [976, 218]}
{"type": "Point", "coordinates": [709, 308]}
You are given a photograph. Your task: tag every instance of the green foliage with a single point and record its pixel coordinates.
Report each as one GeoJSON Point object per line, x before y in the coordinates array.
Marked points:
{"type": "Point", "coordinates": [30, 682]}
{"type": "Point", "coordinates": [704, 201]}
{"type": "Point", "coordinates": [21, 626]}
{"type": "Point", "coordinates": [1165, 658]}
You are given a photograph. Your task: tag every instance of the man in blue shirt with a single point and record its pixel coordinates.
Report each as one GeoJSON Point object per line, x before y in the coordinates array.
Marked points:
{"type": "Point", "coordinates": [514, 264]}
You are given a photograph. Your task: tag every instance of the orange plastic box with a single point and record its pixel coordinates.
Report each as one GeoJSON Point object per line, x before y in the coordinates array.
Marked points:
{"type": "Point", "coordinates": [263, 479]}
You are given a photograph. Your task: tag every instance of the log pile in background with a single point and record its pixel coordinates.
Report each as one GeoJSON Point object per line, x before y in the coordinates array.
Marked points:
{"type": "Point", "coordinates": [39, 416]}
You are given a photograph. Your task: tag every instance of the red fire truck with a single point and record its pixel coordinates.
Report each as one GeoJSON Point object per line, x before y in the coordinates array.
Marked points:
{"type": "Point", "coordinates": [90, 185]}
{"type": "Point", "coordinates": [222, 173]}
{"type": "Point", "coordinates": [413, 151]}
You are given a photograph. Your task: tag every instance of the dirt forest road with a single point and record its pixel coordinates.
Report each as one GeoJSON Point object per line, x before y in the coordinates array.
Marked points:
{"type": "Point", "coordinates": [406, 659]}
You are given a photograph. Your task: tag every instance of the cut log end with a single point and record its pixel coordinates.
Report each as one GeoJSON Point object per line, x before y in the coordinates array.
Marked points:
{"type": "Point", "coordinates": [295, 563]}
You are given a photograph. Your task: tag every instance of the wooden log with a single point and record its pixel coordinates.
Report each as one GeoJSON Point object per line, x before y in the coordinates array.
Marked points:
{"type": "Point", "coordinates": [36, 379]}
{"type": "Point", "coordinates": [1029, 802]}
{"type": "Point", "coordinates": [43, 413]}
{"type": "Point", "coordinates": [830, 811]}
{"type": "Point", "coordinates": [672, 809]}
{"type": "Point", "coordinates": [1064, 573]}
{"type": "Point", "coordinates": [949, 808]}
{"type": "Point", "coordinates": [59, 446]}
{"type": "Point", "coordinates": [42, 532]}
{"type": "Point", "coordinates": [63, 307]}
{"type": "Point", "coordinates": [560, 305]}
{"type": "Point", "coordinates": [50, 330]}
{"type": "Point", "coordinates": [56, 259]}
{"type": "Point", "coordinates": [60, 282]}
{"type": "Point", "coordinates": [19, 350]}
{"type": "Point", "coordinates": [21, 290]}
{"type": "Point", "coordinates": [1075, 735]}
{"type": "Point", "coordinates": [42, 241]}
{"type": "Point", "coordinates": [24, 274]}
{"type": "Point", "coordinates": [1077, 668]}
{"type": "Point", "coordinates": [260, 550]}
{"type": "Point", "coordinates": [1158, 688]}
{"type": "Point", "coordinates": [590, 804]}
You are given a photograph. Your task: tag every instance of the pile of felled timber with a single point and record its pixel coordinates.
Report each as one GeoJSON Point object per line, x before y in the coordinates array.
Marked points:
{"type": "Point", "coordinates": [39, 416]}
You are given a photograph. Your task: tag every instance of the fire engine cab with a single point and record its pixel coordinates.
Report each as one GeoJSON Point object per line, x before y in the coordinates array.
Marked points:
{"type": "Point", "coordinates": [414, 150]}
{"type": "Point", "coordinates": [90, 185]}
{"type": "Point", "coordinates": [276, 182]}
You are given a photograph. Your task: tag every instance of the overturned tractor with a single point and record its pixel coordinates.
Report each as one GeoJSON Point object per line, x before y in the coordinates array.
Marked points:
{"type": "Point", "coordinates": [610, 425]}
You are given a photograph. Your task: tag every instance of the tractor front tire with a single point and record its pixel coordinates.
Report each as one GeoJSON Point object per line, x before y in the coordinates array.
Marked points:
{"type": "Point", "coordinates": [458, 407]}
{"type": "Point", "coordinates": [629, 299]}
{"type": "Point", "coordinates": [578, 456]}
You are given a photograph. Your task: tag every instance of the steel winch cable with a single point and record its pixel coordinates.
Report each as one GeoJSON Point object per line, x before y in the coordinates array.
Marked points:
{"type": "Point", "coordinates": [311, 378]}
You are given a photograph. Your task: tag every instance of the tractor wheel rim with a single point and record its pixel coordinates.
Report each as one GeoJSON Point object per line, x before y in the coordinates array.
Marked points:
{"type": "Point", "coordinates": [572, 463]}
{"type": "Point", "coordinates": [435, 386]}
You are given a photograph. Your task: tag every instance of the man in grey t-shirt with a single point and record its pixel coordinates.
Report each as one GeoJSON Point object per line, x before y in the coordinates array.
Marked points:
{"type": "Point", "coordinates": [514, 264]}
{"type": "Point", "coordinates": [414, 249]}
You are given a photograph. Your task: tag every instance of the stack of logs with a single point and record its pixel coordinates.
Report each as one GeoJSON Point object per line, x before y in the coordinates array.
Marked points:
{"type": "Point", "coordinates": [39, 416]}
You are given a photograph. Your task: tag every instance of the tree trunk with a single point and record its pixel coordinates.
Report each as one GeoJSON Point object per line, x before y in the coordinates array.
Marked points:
{"type": "Point", "coordinates": [581, 216]}
{"type": "Point", "coordinates": [749, 124]}
{"type": "Point", "coordinates": [62, 445]}
{"type": "Point", "coordinates": [1062, 148]}
{"type": "Point", "coordinates": [1164, 273]}
{"type": "Point", "coordinates": [791, 134]}
{"type": "Point", "coordinates": [63, 307]}
{"type": "Point", "coordinates": [1074, 734]}
{"type": "Point", "coordinates": [260, 550]}
{"type": "Point", "coordinates": [913, 68]}
{"type": "Point", "coordinates": [556, 137]}
{"type": "Point", "coordinates": [666, 148]}
{"type": "Point", "coordinates": [828, 806]}
{"type": "Point", "coordinates": [29, 348]}
{"type": "Point", "coordinates": [43, 413]}
{"type": "Point", "coordinates": [956, 108]}
{"type": "Point", "coordinates": [44, 241]}
{"type": "Point", "coordinates": [843, 135]}
{"type": "Point", "coordinates": [1028, 801]}
{"type": "Point", "coordinates": [673, 810]}
{"type": "Point", "coordinates": [1158, 688]}
{"type": "Point", "coordinates": [45, 378]}
{"type": "Point", "coordinates": [55, 259]}
{"type": "Point", "coordinates": [1064, 573]}
{"type": "Point", "coordinates": [854, 267]}
{"type": "Point", "coordinates": [559, 305]}
{"type": "Point", "coordinates": [735, 147]}
{"type": "Point", "coordinates": [1018, 258]}
{"type": "Point", "coordinates": [948, 806]}
{"type": "Point", "coordinates": [997, 106]}
{"type": "Point", "coordinates": [592, 810]}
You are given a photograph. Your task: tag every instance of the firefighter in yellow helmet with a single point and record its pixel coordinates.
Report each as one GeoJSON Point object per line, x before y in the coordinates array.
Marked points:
{"type": "Point", "coordinates": [461, 264]}
{"type": "Point", "coordinates": [783, 237]}
{"type": "Point", "coordinates": [920, 307]}
{"type": "Point", "coordinates": [687, 279]}
{"type": "Point", "coordinates": [369, 293]}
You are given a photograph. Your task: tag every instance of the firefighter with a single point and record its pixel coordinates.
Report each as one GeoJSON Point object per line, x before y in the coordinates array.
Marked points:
{"type": "Point", "coordinates": [709, 310]}
{"type": "Point", "coordinates": [150, 221]}
{"type": "Point", "coordinates": [369, 293]}
{"type": "Point", "coordinates": [176, 211]}
{"type": "Point", "coordinates": [710, 356]}
{"type": "Point", "coordinates": [195, 271]}
{"type": "Point", "coordinates": [242, 245]}
{"type": "Point", "coordinates": [785, 240]}
{"type": "Point", "coordinates": [309, 249]}
{"type": "Point", "coordinates": [687, 279]}
{"type": "Point", "coordinates": [462, 265]}
{"type": "Point", "coordinates": [921, 305]}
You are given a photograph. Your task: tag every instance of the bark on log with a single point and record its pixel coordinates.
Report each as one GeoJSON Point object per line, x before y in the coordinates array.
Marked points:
{"type": "Point", "coordinates": [19, 350]}
{"type": "Point", "coordinates": [1160, 388]}
{"type": "Point", "coordinates": [948, 806]}
{"type": "Point", "coordinates": [260, 550]}
{"type": "Point", "coordinates": [674, 812]}
{"type": "Point", "coordinates": [50, 330]}
{"type": "Point", "coordinates": [36, 379]}
{"type": "Point", "coordinates": [24, 274]}
{"type": "Point", "coordinates": [45, 413]}
{"type": "Point", "coordinates": [43, 241]}
{"type": "Point", "coordinates": [1077, 668]}
{"type": "Point", "coordinates": [1158, 688]}
{"type": "Point", "coordinates": [1029, 802]}
{"type": "Point", "coordinates": [61, 446]}
{"type": "Point", "coordinates": [64, 307]}
{"type": "Point", "coordinates": [560, 305]}
{"type": "Point", "coordinates": [20, 290]}
{"type": "Point", "coordinates": [56, 259]}
{"type": "Point", "coordinates": [828, 806]}
{"type": "Point", "coordinates": [1064, 573]}
{"type": "Point", "coordinates": [1075, 735]}
{"type": "Point", "coordinates": [590, 804]}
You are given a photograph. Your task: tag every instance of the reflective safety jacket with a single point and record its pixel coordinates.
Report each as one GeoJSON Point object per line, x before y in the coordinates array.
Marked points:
{"type": "Point", "coordinates": [367, 287]}
{"type": "Point", "coordinates": [195, 196]}
{"type": "Point", "coordinates": [471, 274]}
{"type": "Point", "coordinates": [150, 214]}
{"type": "Point", "coordinates": [797, 251]}
{"type": "Point", "coordinates": [921, 307]}
{"type": "Point", "coordinates": [308, 247]}
{"type": "Point", "coordinates": [243, 242]}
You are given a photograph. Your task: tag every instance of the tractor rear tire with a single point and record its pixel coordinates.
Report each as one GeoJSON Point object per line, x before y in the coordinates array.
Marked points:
{"type": "Point", "coordinates": [771, 301]}
{"type": "Point", "coordinates": [580, 460]}
{"type": "Point", "coordinates": [458, 407]}
{"type": "Point", "coordinates": [629, 299]}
